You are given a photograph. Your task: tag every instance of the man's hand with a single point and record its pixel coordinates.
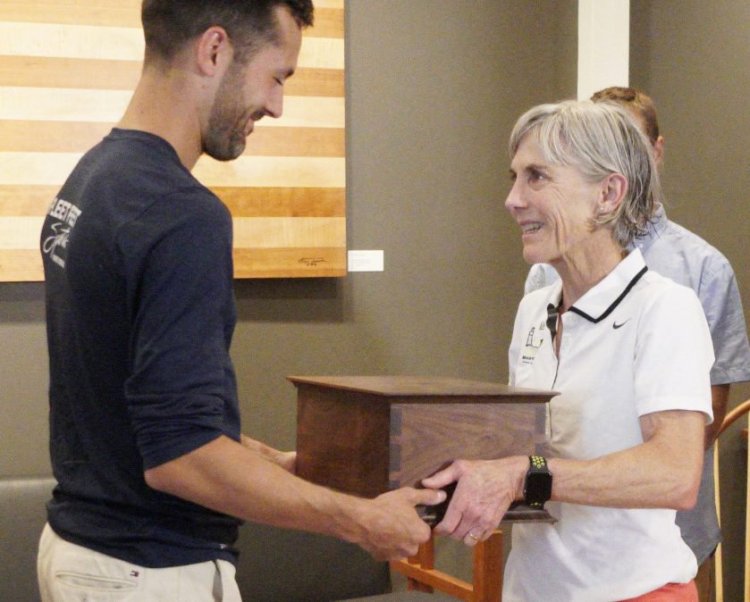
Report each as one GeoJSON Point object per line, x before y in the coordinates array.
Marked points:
{"type": "Point", "coordinates": [287, 460]}
{"type": "Point", "coordinates": [247, 481]}
{"type": "Point", "coordinates": [391, 527]}
{"type": "Point", "coordinates": [485, 491]}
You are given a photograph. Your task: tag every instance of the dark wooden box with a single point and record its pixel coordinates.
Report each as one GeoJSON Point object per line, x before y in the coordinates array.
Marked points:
{"type": "Point", "coordinates": [368, 434]}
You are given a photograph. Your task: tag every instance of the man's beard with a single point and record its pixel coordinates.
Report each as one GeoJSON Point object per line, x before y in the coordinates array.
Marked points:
{"type": "Point", "coordinates": [225, 138]}
{"type": "Point", "coordinates": [223, 141]}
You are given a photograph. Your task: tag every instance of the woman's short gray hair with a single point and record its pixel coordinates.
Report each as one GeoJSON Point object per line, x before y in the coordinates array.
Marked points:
{"type": "Point", "coordinates": [598, 139]}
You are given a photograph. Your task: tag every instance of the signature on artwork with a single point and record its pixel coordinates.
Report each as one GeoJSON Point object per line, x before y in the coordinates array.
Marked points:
{"type": "Point", "coordinates": [312, 261]}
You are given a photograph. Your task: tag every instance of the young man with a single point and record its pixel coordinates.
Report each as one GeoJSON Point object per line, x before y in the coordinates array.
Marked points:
{"type": "Point", "coordinates": [154, 476]}
{"type": "Point", "coordinates": [683, 256]}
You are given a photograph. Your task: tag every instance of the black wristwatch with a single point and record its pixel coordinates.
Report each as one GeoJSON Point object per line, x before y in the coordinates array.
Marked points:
{"type": "Point", "coordinates": [538, 486]}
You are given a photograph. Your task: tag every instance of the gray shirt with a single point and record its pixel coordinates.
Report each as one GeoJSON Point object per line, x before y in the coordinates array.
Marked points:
{"type": "Point", "coordinates": [677, 253]}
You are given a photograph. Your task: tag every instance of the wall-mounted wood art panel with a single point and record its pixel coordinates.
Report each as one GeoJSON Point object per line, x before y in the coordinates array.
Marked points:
{"type": "Point", "coordinates": [67, 70]}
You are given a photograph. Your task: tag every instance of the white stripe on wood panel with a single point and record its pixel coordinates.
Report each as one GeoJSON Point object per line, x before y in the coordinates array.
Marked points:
{"type": "Point", "coordinates": [45, 169]}
{"type": "Point", "coordinates": [63, 104]}
{"type": "Point", "coordinates": [36, 169]}
{"type": "Point", "coordinates": [321, 53]}
{"type": "Point", "coordinates": [112, 12]}
{"type": "Point", "coordinates": [71, 41]}
{"type": "Point", "coordinates": [251, 172]}
{"type": "Point", "coordinates": [94, 5]}
{"type": "Point", "coordinates": [107, 106]}
{"type": "Point", "coordinates": [20, 232]}
{"type": "Point", "coordinates": [72, 11]}
{"type": "Point", "coordinates": [311, 112]}
{"type": "Point", "coordinates": [126, 44]}
{"type": "Point", "coordinates": [278, 232]}
{"type": "Point", "coordinates": [329, 4]}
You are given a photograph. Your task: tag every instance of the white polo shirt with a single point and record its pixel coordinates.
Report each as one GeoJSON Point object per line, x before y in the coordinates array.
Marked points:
{"type": "Point", "coordinates": [635, 343]}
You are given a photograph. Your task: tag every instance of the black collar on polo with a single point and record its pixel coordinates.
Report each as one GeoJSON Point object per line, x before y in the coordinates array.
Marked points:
{"type": "Point", "coordinates": [611, 308]}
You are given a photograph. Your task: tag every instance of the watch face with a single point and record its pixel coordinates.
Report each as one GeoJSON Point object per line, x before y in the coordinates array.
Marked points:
{"type": "Point", "coordinates": [543, 486]}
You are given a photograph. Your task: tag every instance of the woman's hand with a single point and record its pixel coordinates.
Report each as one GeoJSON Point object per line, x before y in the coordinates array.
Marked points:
{"type": "Point", "coordinates": [485, 490]}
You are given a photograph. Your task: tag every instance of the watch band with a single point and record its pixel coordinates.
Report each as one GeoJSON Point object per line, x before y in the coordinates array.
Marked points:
{"type": "Point", "coordinates": [538, 463]}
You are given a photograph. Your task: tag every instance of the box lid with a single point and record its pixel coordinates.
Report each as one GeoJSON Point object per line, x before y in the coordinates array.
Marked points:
{"type": "Point", "coordinates": [427, 388]}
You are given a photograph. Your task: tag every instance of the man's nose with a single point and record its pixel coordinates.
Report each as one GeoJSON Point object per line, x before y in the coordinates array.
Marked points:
{"type": "Point", "coordinates": [275, 104]}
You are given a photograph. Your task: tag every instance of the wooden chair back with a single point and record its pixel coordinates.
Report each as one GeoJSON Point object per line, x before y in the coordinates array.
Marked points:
{"type": "Point", "coordinates": [487, 574]}
{"type": "Point", "coordinates": [731, 417]}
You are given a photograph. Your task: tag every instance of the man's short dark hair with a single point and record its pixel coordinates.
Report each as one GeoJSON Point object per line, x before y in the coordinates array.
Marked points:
{"type": "Point", "coordinates": [637, 100]}
{"type": "Point", "coordinates": [169, 24]}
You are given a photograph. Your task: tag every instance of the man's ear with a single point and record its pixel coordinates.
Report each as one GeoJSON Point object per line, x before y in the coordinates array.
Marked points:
{"type": "Point", "coordinates": [613, 191]}
{"type": "Point", "coordinates": [214, 51]}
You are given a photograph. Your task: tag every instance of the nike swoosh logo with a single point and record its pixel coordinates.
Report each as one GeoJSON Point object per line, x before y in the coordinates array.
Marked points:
{"type": "Point", "coordinates": [615, 325]}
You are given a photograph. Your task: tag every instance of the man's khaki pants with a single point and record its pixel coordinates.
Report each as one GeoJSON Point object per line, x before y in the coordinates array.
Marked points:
{"type": "Point", "coordinates": [71, 573]}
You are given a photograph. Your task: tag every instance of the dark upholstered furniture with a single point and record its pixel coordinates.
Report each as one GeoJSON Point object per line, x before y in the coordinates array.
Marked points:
{"type": "Point", "coordinates": [275, 565]}
{"type": "Point", "coordinates": [22, 516]}
{"type": "Point", "coordinates": [278, 565]}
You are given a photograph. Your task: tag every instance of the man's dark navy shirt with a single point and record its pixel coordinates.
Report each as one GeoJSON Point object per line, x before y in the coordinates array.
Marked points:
{"type": "Point", "coordinates": [140, 314]}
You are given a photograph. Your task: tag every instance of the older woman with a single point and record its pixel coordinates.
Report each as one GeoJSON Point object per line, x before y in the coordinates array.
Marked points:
{"type": "Point", "coordinates": [630, 353]}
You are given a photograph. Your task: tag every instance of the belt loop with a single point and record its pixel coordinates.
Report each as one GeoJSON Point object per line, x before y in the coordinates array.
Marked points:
{"type": "Point", "coordinates": [218, 591]}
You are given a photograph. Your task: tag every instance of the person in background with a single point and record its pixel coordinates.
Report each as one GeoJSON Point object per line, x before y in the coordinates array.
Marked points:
{"type": "Point", "coordinates": [679, 254]}
{"type": "Point", "coordinates": [629, 352]}
{"type": "Point", "coordinates": [154, 476]}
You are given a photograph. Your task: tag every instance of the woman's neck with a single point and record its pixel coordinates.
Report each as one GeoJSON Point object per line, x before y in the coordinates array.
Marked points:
{"type": "Point", "coordinates": [581, 272]}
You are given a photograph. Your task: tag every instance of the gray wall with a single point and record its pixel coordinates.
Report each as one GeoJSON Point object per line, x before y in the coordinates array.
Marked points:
{"type": "Point", "coordinates": [693, 57]}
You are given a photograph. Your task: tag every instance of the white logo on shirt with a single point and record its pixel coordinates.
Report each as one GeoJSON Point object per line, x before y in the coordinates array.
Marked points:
{"type": "Point", "coordinates": [533, 343]}
{"type": "Point", "coordinates": [55, 245]}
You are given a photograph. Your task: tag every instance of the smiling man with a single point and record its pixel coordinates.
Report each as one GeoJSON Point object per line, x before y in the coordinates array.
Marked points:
{"type": "Point", "coordinates": [154, 475]}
